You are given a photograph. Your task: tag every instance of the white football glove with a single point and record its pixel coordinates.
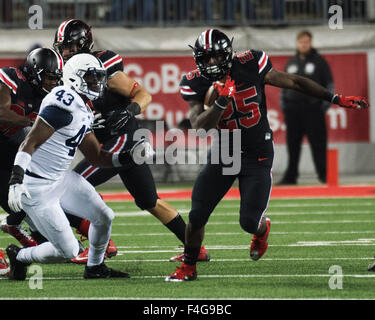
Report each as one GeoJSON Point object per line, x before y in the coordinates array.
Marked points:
{"type": "Point", "coordinates": [14, 196]}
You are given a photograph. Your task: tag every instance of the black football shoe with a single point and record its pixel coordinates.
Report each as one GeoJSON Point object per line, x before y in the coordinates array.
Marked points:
{"type": "Point", "coordinates": [18, 269]}
{"type": "Point", "coordinates": [102, 271]}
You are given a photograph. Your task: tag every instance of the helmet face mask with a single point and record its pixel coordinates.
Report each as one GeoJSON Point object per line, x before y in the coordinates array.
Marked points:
{"type": "Point", "coordinates": [213, 54]}
{"type": "Point", "coordinates": [86, 75]}
{"type": "Point", "coordinates": [93, 82]}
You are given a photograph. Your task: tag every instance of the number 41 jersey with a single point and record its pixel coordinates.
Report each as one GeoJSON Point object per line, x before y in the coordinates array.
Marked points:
{"type": "Point", "coordinates": [65, 111]}
{"type": "Point", "coordinates": [247, 111]}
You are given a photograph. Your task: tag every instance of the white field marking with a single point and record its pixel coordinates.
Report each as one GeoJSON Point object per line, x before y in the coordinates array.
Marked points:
{"type": "Point", "coordinates": [245, 260]}
{"type": "Point", "coordinates": [278, 205]}
{"type": "Point", "coordinates": [242, 247]}
{"type": "Point", "coordinates": [270, 213]}
{"type": "Point", "coordinates": [227, 276]}
{"type": "Point", "coordinates": [236, 222]}
{"type": "Point", "coordinates": [233, 233]}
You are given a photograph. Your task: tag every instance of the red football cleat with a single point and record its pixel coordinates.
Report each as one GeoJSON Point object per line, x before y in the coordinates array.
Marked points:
{"type": "Point", "coordinates": [184, 273]}
{"type": "Point", "coordinates": [111, 249]}
{"type": "Point", "coordinates": [203, 256]}
{"type": "Point", "coordinates": [4, 267]}
{"type": "Point", "coordinates": [259, 244]}
{"type": "Point", "coordinates": [83, 257]}
{"type": "Point", "coordinates": [19, 233]}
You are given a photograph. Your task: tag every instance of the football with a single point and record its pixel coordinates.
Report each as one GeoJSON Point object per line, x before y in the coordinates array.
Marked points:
{"type": "Point", "coordinates": [211, 96]}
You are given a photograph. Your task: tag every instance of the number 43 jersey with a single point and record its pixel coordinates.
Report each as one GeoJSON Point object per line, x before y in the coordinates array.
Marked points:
{"type": "Point", "coordinates": [65, 111]}
{"type": "Point", "coordinates": [247, 111]}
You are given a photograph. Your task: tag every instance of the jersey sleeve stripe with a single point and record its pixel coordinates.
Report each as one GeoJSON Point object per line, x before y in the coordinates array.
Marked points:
{"type": "Point", "coordinates": [187, 91]}
{"type": "Point", "coordinates": [263, 62]}
{"type": "Point", "coordinates": [109, 63]}
{"type": "Point", "coordinates": [89, 171]}
{"type": "Point", "coordinates": [8, 82]}
{"type": "Point", "coordinates": [119, 143]}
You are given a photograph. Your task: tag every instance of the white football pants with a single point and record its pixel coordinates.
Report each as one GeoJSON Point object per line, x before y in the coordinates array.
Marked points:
{"type": "Point", "coordinates": [49, 199]}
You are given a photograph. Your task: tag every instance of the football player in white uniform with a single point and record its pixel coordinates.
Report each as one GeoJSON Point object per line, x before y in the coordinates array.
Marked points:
{"type": "Point", "coordinates": [44, 188]}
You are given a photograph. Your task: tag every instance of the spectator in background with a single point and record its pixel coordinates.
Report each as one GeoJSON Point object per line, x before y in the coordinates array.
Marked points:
{"type": "Point", "coordinates": [303, 114]}
{"type": "Point", "coordinates": [278, 9]}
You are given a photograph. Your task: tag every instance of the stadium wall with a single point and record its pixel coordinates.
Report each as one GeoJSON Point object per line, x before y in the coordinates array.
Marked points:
{"type": "Point", "coordinates": [158, 57]}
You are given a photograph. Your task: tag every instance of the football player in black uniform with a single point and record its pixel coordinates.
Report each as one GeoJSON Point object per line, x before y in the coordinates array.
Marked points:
{"type": "Point", "coordinates": [240, 104]}
{"type": "Point", "coordinates": [123, 100]}
{"type": "Point", "coordinates": [21, 92]}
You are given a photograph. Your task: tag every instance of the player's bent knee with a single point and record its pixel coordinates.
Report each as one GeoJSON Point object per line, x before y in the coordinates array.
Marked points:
{"type": "Point", "coordinates": [147, 204]}
{"type": "Point", "coordinates": [197, 220]}
{"type": "Point", "coordinates": [104, 217]}
{"type": "Point", "coordinates": [249, 224]}
{"type": "Point", "coordinates": [69, 250]}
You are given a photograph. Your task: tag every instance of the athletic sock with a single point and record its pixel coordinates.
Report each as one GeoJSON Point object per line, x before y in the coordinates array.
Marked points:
{"type": "Point", "coordinates": [191, 255]}
{"type": "Point", "coordinates": [177, 225]}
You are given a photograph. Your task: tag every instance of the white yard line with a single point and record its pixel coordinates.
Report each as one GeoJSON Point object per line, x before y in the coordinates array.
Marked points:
{"type": "Point", "coordinates": [228, 276]}
{"type": "Point", "coordinates": [245, 260]}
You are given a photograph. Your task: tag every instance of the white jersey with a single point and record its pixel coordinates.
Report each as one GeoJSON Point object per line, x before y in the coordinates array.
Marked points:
{"type": "Point", "coordinates": [65, 111]}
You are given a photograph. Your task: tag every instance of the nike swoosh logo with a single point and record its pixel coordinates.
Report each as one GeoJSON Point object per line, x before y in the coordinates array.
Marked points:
{"type": "Point", "coordinates": [78, 258]}
{"type": "Point", "coordinates": [262, 159]}
{"type": "Point", "coordinates": [240, 85]}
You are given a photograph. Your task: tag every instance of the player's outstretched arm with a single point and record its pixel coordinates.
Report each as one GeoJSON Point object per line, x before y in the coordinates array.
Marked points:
{"type": "Point", "coordinates": [122, 84]}
{"type": "Point", "coordinates": [7, 116]}
{"type": "Point", "coordinates": [307, 86]}
{"type": "Point", "coordinates": [93, 152]}
{"type": "Point", "coordinates": [98, 157]}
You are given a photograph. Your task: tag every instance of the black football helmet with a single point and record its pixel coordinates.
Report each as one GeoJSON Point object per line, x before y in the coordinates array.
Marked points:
{"type": "Point", "coordinates": [213, 43]}
{"type": "Point", "coordinates": [73, 32]}
{"type": "Point", "coordinates": [42, 64]}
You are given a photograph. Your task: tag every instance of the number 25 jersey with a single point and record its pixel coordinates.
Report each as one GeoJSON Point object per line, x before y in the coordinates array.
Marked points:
{"type": "Point", "coordinates": [65, 111]}
{"type": "Point", "coordinates": [247, 111]}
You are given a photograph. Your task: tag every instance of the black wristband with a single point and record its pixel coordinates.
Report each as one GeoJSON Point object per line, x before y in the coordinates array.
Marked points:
{"type": "Point", "coordinates": [134, 108]}
{"type": "Point", "coordinates": [221, 102]}
{"type": "Point", "coordinates": [17, 175]}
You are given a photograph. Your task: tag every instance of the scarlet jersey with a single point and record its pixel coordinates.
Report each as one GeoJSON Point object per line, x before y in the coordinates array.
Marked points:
{"type": "Point", "coordinates": [110, 101]}
{"type": "Point", "coordinates": [247, 111]}
{"type": "Point", "coordinates": [25, 101]}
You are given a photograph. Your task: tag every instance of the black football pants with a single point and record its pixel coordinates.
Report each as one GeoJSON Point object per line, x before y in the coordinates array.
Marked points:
{"type": "Point", "coordinates": [309, 121]}
{"type": "Point", "coordinates": [211, 185]}
{"type": "Point", "coordinates": [137, 179]}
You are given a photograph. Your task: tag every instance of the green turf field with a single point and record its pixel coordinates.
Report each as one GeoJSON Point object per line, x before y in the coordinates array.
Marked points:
{"type": "Point", "coordinates": [307, 238]}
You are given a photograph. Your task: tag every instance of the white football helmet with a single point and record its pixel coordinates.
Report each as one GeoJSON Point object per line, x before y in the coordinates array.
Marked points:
{"type": "Point", "coordinates": [86, 75]}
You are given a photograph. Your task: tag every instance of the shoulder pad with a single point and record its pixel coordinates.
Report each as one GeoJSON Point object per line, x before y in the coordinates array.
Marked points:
{"type": "Point", "coordinates": [11, 78]}
{"type": "Point", "coordinates": [193, 86]}
{"type": "Point", "coordinates": [61, 97]}
{"type": "Point", "coordinates": [112, 62]}
{"type": "Point", "coordinates": [264, 62]}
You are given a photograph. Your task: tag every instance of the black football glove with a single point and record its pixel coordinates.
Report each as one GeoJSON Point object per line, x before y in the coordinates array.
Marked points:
{"type": "Point", "coordinates": [117, 119]}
